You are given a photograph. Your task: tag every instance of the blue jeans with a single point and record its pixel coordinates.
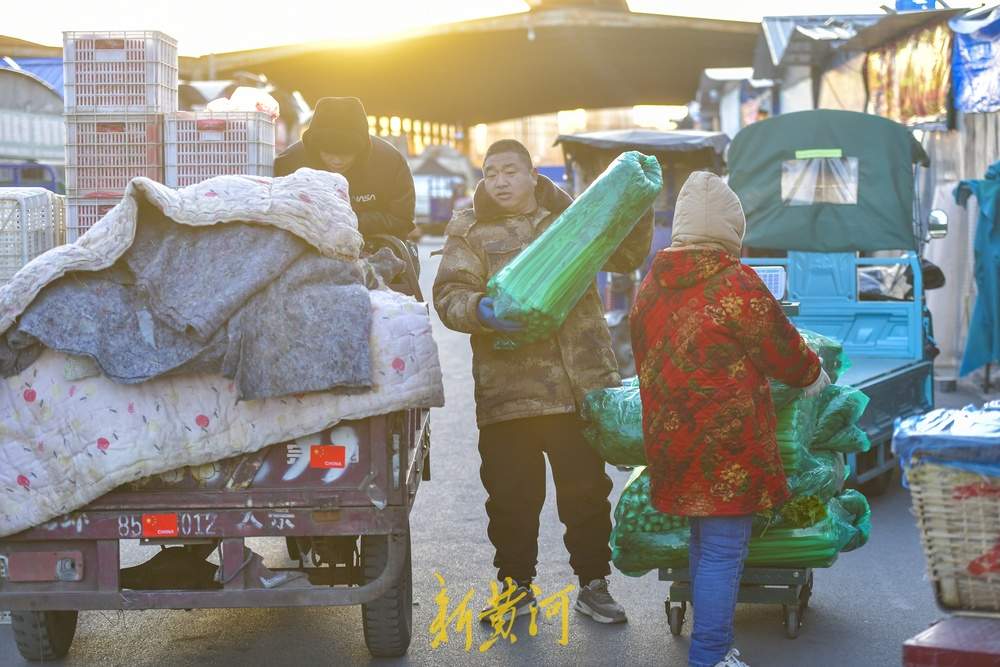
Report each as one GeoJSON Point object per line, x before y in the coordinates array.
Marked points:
{"type": "Point", "coordinates": [718, 548]}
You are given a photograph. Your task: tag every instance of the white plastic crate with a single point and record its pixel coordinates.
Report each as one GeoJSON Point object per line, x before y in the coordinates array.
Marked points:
{"type": "Point", "coordinates": [30, 220]}
{"type": "Point", "coordinates": [82, 214]}
{"type": "Point", "coordinates": [201, 145]}
{"type": "Point", "coordinates": [105, 152]}
{"type": "Point", "coordinates": [119, 72]}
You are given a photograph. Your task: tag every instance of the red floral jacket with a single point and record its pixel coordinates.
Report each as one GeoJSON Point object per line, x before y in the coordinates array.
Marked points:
{"type": "Point", "coordinates": [707, 335]}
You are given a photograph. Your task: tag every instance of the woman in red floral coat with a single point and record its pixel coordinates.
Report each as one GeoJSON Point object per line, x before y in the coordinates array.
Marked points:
{"type": "Point", "coordinates": [707, 335]}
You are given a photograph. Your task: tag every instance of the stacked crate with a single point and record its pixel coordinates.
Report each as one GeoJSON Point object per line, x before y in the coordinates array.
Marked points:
{"type": "Point", "coordinates": [118, 86]}
{"type": "Point", "coordinates": [200, 145]}
{"type": "Point", "coordinates": [31, 222]}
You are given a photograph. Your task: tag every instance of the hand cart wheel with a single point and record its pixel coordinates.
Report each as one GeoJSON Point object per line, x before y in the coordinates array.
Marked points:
{"type": "Point", "coordinates": [793, 620]}
{"type": "Point", "coordinates": [675, 617]}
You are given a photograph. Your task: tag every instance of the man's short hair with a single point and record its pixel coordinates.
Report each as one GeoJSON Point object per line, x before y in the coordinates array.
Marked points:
{"type": "Point", "coordinates": [509, 146]}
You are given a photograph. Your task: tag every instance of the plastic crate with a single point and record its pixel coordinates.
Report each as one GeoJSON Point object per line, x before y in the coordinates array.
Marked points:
{"type": "Point", "coordinates": [201, 145]}
{"type": "Point", "coordinates": [105, 152]}
{"type": "Point", "coordinates": [119, 72]}
{"type": "Point", "coordinates": [82, 214]}
{"type": "Point", "coordinates": [30, 221]}
{"type": "Point", "coordinates": [958, 514]}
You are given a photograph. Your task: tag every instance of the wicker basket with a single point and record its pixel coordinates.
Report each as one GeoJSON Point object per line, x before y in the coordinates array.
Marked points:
{"type": "Point", "coordinates": [959, 518]}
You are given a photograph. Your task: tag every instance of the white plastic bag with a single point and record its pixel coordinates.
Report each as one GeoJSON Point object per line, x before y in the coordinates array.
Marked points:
{"type": "Point", "coordinates": [246, 98]}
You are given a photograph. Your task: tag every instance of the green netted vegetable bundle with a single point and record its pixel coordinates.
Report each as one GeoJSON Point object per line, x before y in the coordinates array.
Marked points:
{"type": "Point", "coordinates": [614, 423]}
{"type": "Point", "coordinates": [543, 283]}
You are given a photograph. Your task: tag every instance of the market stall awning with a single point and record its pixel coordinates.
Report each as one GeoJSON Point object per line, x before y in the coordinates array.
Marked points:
{"type": "Point", "coordinates": [803, 40]}
{"type": "Point", "coordinates": [510, 66]}
{"type": "Point", "coordinates": [892, 26]}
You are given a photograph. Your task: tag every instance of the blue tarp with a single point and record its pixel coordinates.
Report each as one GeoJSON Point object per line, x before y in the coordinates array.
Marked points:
{"type": "Point", "coordinates": [49, 70]}
{"type": "Point", "coordinates": [966, 439]}
{"type": "Point", "coordinates": [976, 61]}
{"type": "Point", "coordinates": [982, 346]}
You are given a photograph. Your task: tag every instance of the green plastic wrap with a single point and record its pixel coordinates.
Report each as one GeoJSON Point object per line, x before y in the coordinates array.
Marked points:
{"type": "Point", "coordinates": [852, 440]}
{"type": "Point", "coordinates": [820, 474]}
{"type": "Point", "coordinates": [856, 505]}
{"type": "Point", "coordinates": [543, 283]}
{"type": "Point", "coordinates": [845, 527]}
{"type": "Point", "coordinates": [839, 408]}
{"type": "Point", "coordinates": [831, 353]}
{"type": "Point", "coordinates": [614, 423]}
{"type": "Point", "coordinates": [795, 427]}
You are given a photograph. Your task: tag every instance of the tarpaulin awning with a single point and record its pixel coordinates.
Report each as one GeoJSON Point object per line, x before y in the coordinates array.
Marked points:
{"type": "Point", "coordinates": [552, 59]}
{"type": "Point", "coordinates": [802, 40]}
{"type": "Point", "coordinates": [893, 26]}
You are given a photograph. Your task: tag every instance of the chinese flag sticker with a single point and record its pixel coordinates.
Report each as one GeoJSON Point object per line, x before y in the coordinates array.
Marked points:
{"type": "Point", "coordinates": [159, 525]}
{"type": "Point", "coordinates": [328, 456]}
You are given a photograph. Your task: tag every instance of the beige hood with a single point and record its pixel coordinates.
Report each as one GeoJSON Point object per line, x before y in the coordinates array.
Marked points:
{"type": "Point", "coordinates": [708, 214]}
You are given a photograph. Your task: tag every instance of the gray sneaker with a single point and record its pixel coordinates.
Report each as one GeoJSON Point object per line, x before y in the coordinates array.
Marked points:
{"type": "Point", "coordinates": [732, 659]}
{"type": "Point", "coordinates": [595, 601]}
{"type": "Point", "coordinates": [524, 601]}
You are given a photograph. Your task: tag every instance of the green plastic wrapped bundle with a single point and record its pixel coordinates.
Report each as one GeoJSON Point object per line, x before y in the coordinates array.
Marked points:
{"type": "Point", "coordinates": [856, 505]}
{"type": "Point", "coordinates": [842, 523]}
{"type": "Point", "coordinates": [839, 408]}
{"type": "Point", "coordinates": [543, 283]}
{"type": "Point", "coordinates": [819, 474]}
{"type": "Point", "coordinates": [846, 527]}
{"type": "Point", "coordinates": [831, 353]}
{"type": "Point", "coordinates": [851, 440]}
{"type": "Point", "coordinates": [614, 423]}
{"type": "Point", "coordinates": [795, 427]}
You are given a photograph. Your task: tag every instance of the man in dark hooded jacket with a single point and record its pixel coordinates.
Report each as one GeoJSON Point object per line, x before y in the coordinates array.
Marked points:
{"type": "Point", "coordinates": [381, 185]}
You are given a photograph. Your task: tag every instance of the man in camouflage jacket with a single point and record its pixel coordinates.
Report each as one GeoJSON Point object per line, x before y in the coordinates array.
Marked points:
{"type": "Point", "coordinates": [527, 399]}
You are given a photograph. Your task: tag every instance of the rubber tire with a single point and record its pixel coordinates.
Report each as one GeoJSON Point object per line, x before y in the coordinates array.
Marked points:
{"type": "Point", "coordinates": [43, 636]}
{"type": "Point", "coordinates": [876, 487]}
{"type": "Point", "coordinates": [675, 618]}
{"type": "Point", "coordinates": [793, 621]}
{"type": "Point", "coordinates": [387, 621]}
{"type": "Point", "coordinates": [806, 595]}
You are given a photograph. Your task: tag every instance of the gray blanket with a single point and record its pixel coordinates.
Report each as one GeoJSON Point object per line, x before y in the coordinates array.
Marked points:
{"type": "Point", "coordinates": [252, 303]}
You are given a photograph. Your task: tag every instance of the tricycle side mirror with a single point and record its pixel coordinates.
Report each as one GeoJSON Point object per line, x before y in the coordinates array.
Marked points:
{"type": "Point", "coordinates": [937, 227]}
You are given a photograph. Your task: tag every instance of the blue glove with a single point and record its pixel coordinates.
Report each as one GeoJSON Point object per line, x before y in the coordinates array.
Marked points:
{"type": "Point", "coordinates": [489, 319]}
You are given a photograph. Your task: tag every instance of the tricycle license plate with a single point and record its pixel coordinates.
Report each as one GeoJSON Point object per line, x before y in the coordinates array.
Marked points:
{"type": "Point", "coordinates": [159, 525]}
{"type": "Point", "coordinates": [171, 524]}
{"type": "Point", "coordinates": [4, 618]}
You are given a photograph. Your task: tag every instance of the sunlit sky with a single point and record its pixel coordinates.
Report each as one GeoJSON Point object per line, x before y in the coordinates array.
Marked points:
{"type": "Point", "coordinates": [206, 26]}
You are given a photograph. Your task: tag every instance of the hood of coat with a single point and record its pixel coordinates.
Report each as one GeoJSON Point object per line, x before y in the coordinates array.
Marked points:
{"type": "Point", "coordinates": [708, 214]}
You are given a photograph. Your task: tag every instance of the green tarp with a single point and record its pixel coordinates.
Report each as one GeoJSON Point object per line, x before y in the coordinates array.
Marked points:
{"type": "Point", "coordinates": [826, 181]}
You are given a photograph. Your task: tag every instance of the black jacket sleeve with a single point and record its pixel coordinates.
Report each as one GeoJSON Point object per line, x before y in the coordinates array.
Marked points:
{"type": "Point", "coordinates": [395, 216]}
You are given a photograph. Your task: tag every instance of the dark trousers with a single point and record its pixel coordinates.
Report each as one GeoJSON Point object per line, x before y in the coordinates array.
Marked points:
{"type": "Point", "coordinates": [513, 472]}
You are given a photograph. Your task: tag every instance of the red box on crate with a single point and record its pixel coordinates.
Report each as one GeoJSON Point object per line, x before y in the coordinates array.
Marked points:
{"type": "Point", "coordinates": [119, 72]}
{"type": "Point", "coordinates": [82, 214]}
{"type": "Point", "coordinates": [201, 145]}
{"type": "Point", "coordinates": [105, 152]}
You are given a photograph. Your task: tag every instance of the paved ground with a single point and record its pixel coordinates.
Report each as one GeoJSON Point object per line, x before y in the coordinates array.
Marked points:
{"type": "Point", "coordinates": [863, 608]}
